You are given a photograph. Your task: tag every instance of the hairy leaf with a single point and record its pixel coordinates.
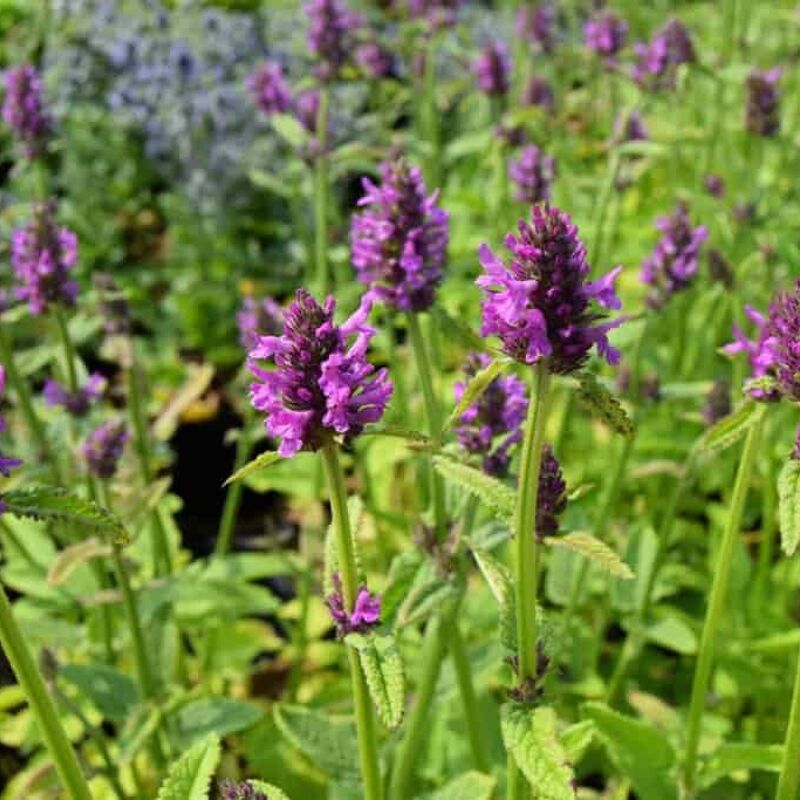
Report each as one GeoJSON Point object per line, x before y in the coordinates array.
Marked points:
{"type": "Point", "coordinates": [189, 778]}
{"type": "Point", "coordinates": [498, 497]}
{"type": "Point", "coordinates": [577, 738]}
{"type": "Point", "coordinates": [383, 669]}
{"type": "Point", "coordinates": [593, 396]}
{"type": "Point", "coordinates": [501, 583]}
{"type": "Point", "coordinates": [479, 383]}
{"type": "Point", "coordinates": [261, 461]}
{"type": "Point", "coordinates": [72, 556]}
{"type": "Point", "coordinates": [596, 551]}
{"type": "Point", "coordinates": [789, 506]}
{"type": "Point", "coordinates": [740, 756]}
{"type": "Point", "coordinates": [270, 791]}
{"type": "Point", "coordinates": [729, 429]}
{"type": "Point", "coordinates": [356, 514]}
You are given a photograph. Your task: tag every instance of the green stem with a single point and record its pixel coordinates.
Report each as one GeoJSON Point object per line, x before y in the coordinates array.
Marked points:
{"type": "Point", "coordinates": [348, 570]}
{"type": "Point", "coordinates": [789, 780]}
{"type": "Point", "coordinates": [433, 415]}
{"type": "Point", "coordinates": [716, 604]}
{"type": "Point", "coordinates": [430, 118]}
{"type": "Point", "coordinates": [41, 704]}
{"type": "Point", "coordinates": [470, 701]}
{"type": "Point", "coordinates": [321, 193]}
{"type": "Point", "coordinates": [70, 356]}
{"type": "Point", "coordinates": [233, 497]}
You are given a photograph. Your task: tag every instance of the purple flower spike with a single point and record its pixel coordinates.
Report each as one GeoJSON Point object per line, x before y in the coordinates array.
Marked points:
{"type": "Point", "coordinates": [533, 173]}
{"type": "Point", "coordinates": [42, 255]}
{"type": "Point", "coordinates": [715, 185]}
{"type": "Point", "coordinates": [399, 241]}
{"type": "Point", "coordinates": [763, 102]}
{"type": "Point", "coordinates": [539, 304]}
{"type": "Point", "coordinates": [552, 498]}
{"type": "Point", "coordinates": [76, 403]}
{"type": "Point", "coordinates": [606, 36]}
{"type": "Point", "coordinates": [233, 790]}
{"type": "Point", "coordinates": [23, 109]}
{"type": "Point", "coordinates": [536, 23]}
{"type": "Point", "coordinates": [321, 387]}
{"type": "Point", "coordinates": [539, 92]}
{"type": "Point", "coordinates": [330, 28]}
{"type": "Point", "coordinates": [492, 425]}
{"type": "Point", "coordinates": [657, 61]}
{"type": "Point", "coordinates": [374, 60]}
{"type": "Point", "coordinates": [672, 266]}
{"type": "Point", "coordinates": [306, 109]}
{"type": "Point", "coordinates": [256, 319]}
{"type": "Point", "coordinates": [6, 462]}
{"type": "Point", "coordinates": [366, 611]}
{"type": "Point", "coordinates": [103, 448]}
{"type": "Point", "coordinates": [268, 88]}
{"type": "Point", "coordinates": [492, 70]}
{"type": "Point", "coordinates": [776, 351]}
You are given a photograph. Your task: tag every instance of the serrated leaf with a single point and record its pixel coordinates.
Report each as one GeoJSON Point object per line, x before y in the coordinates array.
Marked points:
{"type": "Point", "coordinates": [425, 599]}
{"type": "Point", "coordinates": [789, 506]}
{"type": "Point", "coordinates": [640, 752]}
{"type": "Point", "coordinates": [111, 692]}
{"type": "Point", "coordinates": [729, 429]}
{"type": "Point", "coordinates": [355, 512]}
{"type": "Point", "coordinates": [383, 669]}
{"type": "Point", "coordinates": [530, 736]}
{"type": "Point", "coordinates": [289, 129]}
{"type": "Point", "coordinates": [189, 778]}
{"type": "Point", "coordinates": [593, 396]}
{"type": "Point", "coordinates": [269, 790]}
{"type": "Point", "coordinates": [498, 497]}
{"type": "Point", "coordinates": [72, 556]}
{"type": "Point", "coordinates": [477, 385]}
{"type": "Point", "coordinates": [469, 786]}
{"type": "Point", "coordinates": [501, 584]}
{"type": "Point", "coordinates": [597, 552]}
{"type": "Point", "coordinates": [261, 461]}
{"type": "Point", "coordinates": [52, 503]}
{"type": "Point", "coordinates": [739, 757]}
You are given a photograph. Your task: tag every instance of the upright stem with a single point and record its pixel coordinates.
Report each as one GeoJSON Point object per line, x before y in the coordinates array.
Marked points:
{"type": "Point", "coordinates": [716, 603]}
{"type": "Point", "coordinates": [41, 704]}
{"type": "Point", "coordinates": [430, 117]}
{"type": "Point", "coordinates": [321, 192]}
{"type": "Point", "coordinates": [365, 722]}
{"type": "Point", "coordinates": [233, 498]}
{"type": "Point", "coordinates": [789, 780]}
{"type": "Point", "coordinates": [70, 356]}
{"type": "Point", "coordinates": [470, 701]}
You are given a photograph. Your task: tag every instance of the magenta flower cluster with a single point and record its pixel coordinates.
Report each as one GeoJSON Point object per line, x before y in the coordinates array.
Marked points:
{"type": "Point", "coordinates": [492, 425]}
{"type": "Point", "coordinates": [762, 116]}
{"type": "Point", "coordinates": [77, 403]}
{"type": "Point", "coordinates": [533, 174]}
{"type": "Point", "coordinates": [103, 448]}
{"type": "Point", "coordinates": [673, 264]}
{"type": "Point", "coordinates": [606, 35]}
{"type": "Point", "coordinates": [492, 69]}
{"type": "Point", "coordinates": [365, 614]}
{"type": "Point", "coordinates": [42, 255]}
{"type": "Point", "coordinates": [399, 241]}
{"type": "Point", "coordinates": [23, 109]}
{"type": "Point", "coordinates": [256, 319]}
{"type": "Point", "coordinates": [540, 303]}
{"type": "Point", "coordinates": [321, 386]}
{"type": "Point", "coordinates": [268, 88]}
{"type": "Point", "coordinates": [658, 60]}
{"type": "Point", "coordinates": [330, 27]}
{"type": "Point", "coordinates": [775, 352]}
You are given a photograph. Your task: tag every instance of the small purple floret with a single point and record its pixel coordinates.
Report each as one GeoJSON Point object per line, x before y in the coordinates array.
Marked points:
{"type": "Point", "coordinates": [256, 319]}
{"type": "Point", "coordinates": [268, 88]}
{"type": "Point", "coordinates": [76, 403]}
{"type": "Point", "coordinates": [103, 448]}
{"type": "Point", "coordinates": [606, 35]}
{"type": "Point", "coordinates": [365, 614]}
{"type": "Point", "coordinates": [657, 61]}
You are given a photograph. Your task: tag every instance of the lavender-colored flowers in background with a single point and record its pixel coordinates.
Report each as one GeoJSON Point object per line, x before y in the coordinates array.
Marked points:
{"type": "Point", "coordinates": [268, 88]}
{"type": "Point", "coordinates": [492, 425]}
{"type": "Point", "coordinates": [76, 403]}
{"type": "Point", "coordinates": [606, 35]}
{"type": "Point", "coordinates": [374, 60]}
{"type": "Point", "coordinates": [365, 614]}
{"type": "Point", "coordinates": [256, 319]}
{"type": "Point", "coordinates": [330, 28]}
{"type": "Point", "coordinates": [533, 174]}
{"type": "Point", "coordinates": [714, 185]}
{"type": "Point", "coordinates": [23, 109]}
{"type": "Point", "coordinates": [103, 449]}
{"type": "Point", "coordinates": [673, 264]}
{"type": "Point", "coordinates": [538, 92]}
{"type": "Point", "coordinates": [42, 255]}
{"type": "Point", "coordinates": [438, 13]}
{"type": "Point", "coordinates": [717, 403]}
{"type": "Point", "coordinates": [492, 69]}
{"type": "Point", "coordinates": [762, 116]}
{"type": "Point", "coordinates": [536, 24]}
{"type": "Point", "coordinates": [321, 386]}
{"type": "Point", "coordinates": [399, 239]}
{"type": "Point", "coordinates": [657, 61]}
{"type": "Point", "coordinates": [540, 302]}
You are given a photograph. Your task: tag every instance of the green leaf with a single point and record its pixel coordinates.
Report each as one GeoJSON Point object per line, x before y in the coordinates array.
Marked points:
{"type": "Point", "coordinates": [593, 396]}
{"type": "Point", "coordinates": [356, 513]}
{"type": "Point", "coordinates": [640, 752]}
{"type": "Point", "coordinates": [456, 330]}
{"type": "Point", "coordinates": [425, 599]}
{"type": "Point", "coordinates": [499, 498]}
{"type": "Point", "coordinates": [414, 439]}
{"type": "Point", "coordinates": [289, 129]}
{"type": "Point", "coordinates": [576, 739]}
{"type": "Point", "coordinates": [52, 503]}
{"type": "Point", "coordinates": [733, 757]}
{"type": "Point", "coordinates": [111, 692]}
{"type": "Point", "coordinates": [597, 552]}
{"type": "Point", "coordinates": [189, 778]}
{"type": "Point", "coordinates": [269, 791]}
{"type": "Point", "coordinates": [729, 429]}
{"type": "Point", "coordinates": [403, 573]}
{"type": "Point", "coordinates": [789, 506]}
{"type": "Point", "coordinates": [383, 669]}
{"type": "Point", "coordinates": [530, 736]}
{"type": "Point", "coordinates": [469, 786]}
{"type": "Point", "coordinates": [212, 715]}
{"type": "Point", "coordinates": [261, 461]}
{"type": "Point", "coordinates": [501, 584]}
{"type": "Point", "coordinates": [72, 556]}
{"type": "Point", "coordinates": [479, 383]}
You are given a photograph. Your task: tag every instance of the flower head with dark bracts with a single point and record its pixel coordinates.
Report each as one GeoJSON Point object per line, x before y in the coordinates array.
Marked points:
{"type": "Point", "coordinates": [606, 35]}
{"type": "Point", "coordinates": [330, 27]}
{"type": "Point", "coordinates": [533, 174]}
{"type": "Point", "coordinates": [76, 403]}
{"type": "Point", "coordinates": [365, 614]}
{"type": "Point", "coordinates": [763, 102]}
{"type": "Point", "coordinates": [103, 449]}
{"type": "Point", "coordinates": [492, 425]}
{"type": "Point", "coordinates": [321, 387]}
{"type": "Point", "coordinates": [42, 255]}
{"type": "Point", "coordinates": [658, 60]}
{"type": "Point", "coordinates": [536, 23]}
{"type": "Point", "coordinates": [492, 69]}
{"type": "Point", "coordinates": [256, 319]}
{"type": "Point", "coordinates": [233, 790]}
{"type": "Point", "coordinates": [540, 303]}
{"type": "Point", "coordinates": [23, 109]}
{"type": "Point", "coordinates": [268, 88]}
{"type": "Point", "coordinates": [539, 92]}
{"type": "Point", "coordinates": [552, 497]}
{"type": "Point", "coordinates": [776, 351]}
{"type": "Point", "coordinates": [399, 240]}
{"type": "Point", "coordinates": [673, 264]}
